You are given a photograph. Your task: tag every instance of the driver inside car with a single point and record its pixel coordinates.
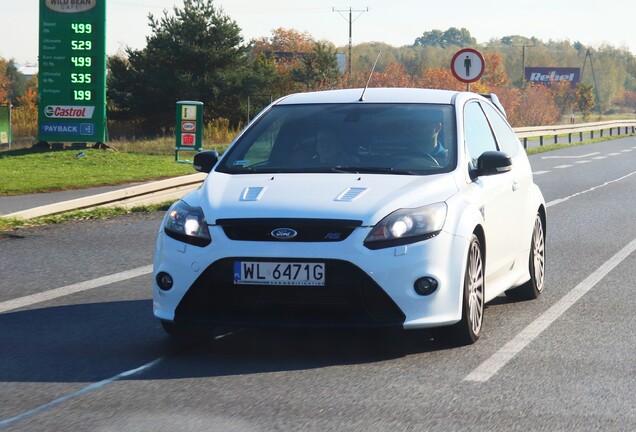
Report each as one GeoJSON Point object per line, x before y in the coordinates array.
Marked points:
{"type": "Point", "coordinates": [426, 142]}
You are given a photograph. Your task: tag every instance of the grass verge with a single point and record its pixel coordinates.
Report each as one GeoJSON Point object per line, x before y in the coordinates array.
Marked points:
{"type": "Point", "coordinates": [31, 170]}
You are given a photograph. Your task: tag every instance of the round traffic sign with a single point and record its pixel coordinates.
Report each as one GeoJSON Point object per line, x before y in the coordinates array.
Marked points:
{"type": "Point", "coordinates": [468, 65]}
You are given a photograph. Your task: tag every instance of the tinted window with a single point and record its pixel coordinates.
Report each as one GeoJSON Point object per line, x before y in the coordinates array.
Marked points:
{"type": "Point", "coordinates": [389, 138]}
{"type": "Point", "coordinates": [506, 137]}
{"type": "Point", "coordinates": [479, 137]}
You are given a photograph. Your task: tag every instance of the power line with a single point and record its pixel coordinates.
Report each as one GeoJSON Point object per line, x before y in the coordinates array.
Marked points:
{"type": "Point", "coordinates": [350, 20]}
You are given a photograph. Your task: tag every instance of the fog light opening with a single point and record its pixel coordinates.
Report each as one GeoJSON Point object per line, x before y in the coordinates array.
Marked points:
{"type": "Point", "coordinates": [425, 286]}
{"type": "Point", "coordinates": [164, 281]}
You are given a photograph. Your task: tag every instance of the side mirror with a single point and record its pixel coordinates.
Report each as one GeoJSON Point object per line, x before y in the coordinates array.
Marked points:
{"type": "Point", "coordinates": [492, 163]}
{"type": "Point", "coordinates": [204, 161]}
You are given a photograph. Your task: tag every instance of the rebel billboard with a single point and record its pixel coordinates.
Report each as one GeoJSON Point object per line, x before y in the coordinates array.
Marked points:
{"type": "Point", "coordinates": [549, 75]}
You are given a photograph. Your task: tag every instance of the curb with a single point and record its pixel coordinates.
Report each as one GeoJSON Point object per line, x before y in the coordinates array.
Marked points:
{"type": "Point", "coordinates": [149, 193]}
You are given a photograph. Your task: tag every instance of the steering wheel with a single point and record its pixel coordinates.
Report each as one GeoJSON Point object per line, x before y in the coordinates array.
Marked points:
{"type": "Point", "coordinates": [431, 159]}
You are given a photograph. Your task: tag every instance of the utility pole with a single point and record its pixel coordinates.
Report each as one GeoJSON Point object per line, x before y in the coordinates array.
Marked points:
{"type": "Point", "coordinates": [588, 53]}
{"type": "Point", "coordinates": [523, 60]}
{"type": "Point", "coordinates": [350, 20]}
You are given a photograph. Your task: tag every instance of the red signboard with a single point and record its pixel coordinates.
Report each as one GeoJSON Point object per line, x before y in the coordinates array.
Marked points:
{"type": "Point", "coordinates": [187, 139]}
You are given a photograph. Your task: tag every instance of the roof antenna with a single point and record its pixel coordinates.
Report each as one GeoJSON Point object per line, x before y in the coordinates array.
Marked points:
{"type": "Point", "coordinates": [370, 75]}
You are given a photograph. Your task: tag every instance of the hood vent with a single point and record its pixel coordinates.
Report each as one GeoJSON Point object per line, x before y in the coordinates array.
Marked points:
{"type": "Point", "coordinates": [252, 193]}
{"type": "Point", "coordinates": [351, 194]}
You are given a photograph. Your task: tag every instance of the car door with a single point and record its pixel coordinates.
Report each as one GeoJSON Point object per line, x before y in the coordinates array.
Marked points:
{"type": "Point", "coordinates": [495, 194]}
{"type": "Point", "coordinates": [522, 217]}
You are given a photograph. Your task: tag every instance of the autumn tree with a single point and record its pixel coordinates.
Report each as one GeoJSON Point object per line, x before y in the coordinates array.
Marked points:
{"type": "Point", "coordinates": [627, 100]}
{"type": "Point", "coordinates": [285, 50]}
{"type": "Point", "coordinates": [495, 76]}
{"type": "Point", "coordinates": [510, 98]}
{"type": "Point", "coordinates": [537, 106]}
{"type": "Point", "coordinates": [564, 97]}
{"type": "Point", "coordinates": [440, 79]}
{"type": "Point", "coordinates": [393, 76]}
{"type": "Point", "coordinates": [29, 98]}
{"type": "Point", "coordinates": [585, 97]}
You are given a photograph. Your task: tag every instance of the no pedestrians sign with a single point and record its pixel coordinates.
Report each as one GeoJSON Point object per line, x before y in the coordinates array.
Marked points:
{"type": "Point", "coordinates": [467, 65]}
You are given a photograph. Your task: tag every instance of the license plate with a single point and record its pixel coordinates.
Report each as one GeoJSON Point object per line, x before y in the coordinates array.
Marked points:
{"type": "Point", "coordinates": [279, 273]}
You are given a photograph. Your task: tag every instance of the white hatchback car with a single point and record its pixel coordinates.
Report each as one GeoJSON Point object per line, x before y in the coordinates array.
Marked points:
{"type": "Point", "coordinates": [394, 207]}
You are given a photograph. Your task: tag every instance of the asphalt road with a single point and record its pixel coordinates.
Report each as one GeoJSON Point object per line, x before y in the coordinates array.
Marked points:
{"type": "Point", "coordinates": [80, 350]}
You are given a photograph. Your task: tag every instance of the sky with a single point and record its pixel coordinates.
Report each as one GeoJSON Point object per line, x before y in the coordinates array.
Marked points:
{"type": "Point", "coordinates": [396, 23]}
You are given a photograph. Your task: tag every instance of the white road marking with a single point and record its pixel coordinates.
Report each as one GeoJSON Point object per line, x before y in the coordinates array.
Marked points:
{"type": "Point", "coordinates": [492, 365]}
{"type": "Point", "coordinates": [560, 200]}
{"type": "Point", "coordinates": [563, 166]}
{"type": "Point", "coordinates": [600, 157]}
{"type": "Point", "coordinates": [72, 289]}
{"type": "Point", "coordinates": [498, 360]}
{"type": "Point", "coordinates": [83, 390]}
{"type": "Point", "coordinates": [540, 172]}
{"type": "Point", "coordinates": [583, 161]}
{"type": "Point", "coordinates": [570, 157]}
{"type": "Point", "coordinates": [89, 388]}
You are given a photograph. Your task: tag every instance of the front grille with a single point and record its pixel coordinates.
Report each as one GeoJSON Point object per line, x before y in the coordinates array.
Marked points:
{"type": "Point", "coordinates": [350, 298]}
{"type": "Point", "coordinates": [308, 230]}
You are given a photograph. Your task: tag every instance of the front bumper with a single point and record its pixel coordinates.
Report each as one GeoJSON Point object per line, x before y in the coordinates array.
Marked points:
{"type": "Point", "coordinates": [363, 288]}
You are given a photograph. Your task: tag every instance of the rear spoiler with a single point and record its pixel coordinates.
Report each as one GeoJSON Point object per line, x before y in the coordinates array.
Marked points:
{"type": "Point", "coordinates": [495, 101]}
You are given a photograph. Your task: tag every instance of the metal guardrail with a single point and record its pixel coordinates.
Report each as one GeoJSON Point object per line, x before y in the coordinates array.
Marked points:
{"type": "Point", "coordinates": [621, 127]}
{"type": "Point", "coordinates": [174, 188]}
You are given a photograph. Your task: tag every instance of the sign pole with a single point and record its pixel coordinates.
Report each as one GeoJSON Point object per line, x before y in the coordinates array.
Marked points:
{"type": "Point", "coordinates": [189, 128]}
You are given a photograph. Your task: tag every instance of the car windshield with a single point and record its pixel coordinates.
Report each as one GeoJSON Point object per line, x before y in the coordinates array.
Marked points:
{"type": "Point", "coordinates": [417, 139]}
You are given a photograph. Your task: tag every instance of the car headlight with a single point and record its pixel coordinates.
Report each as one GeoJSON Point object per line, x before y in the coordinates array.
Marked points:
{"type": "Point", "coordinates": [187, 224]}
{"type": "Point", "coordinates": [406, 226]}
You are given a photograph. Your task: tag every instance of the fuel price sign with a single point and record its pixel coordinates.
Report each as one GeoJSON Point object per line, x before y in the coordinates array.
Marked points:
{"type": "Point", "coordinates": [72, 71]}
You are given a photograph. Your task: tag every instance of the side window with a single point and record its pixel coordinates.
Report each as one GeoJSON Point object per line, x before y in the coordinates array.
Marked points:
{"type": "Point", "coordinates": [479, 137]}
{"type": "Point", "coordinates": [506, 137]}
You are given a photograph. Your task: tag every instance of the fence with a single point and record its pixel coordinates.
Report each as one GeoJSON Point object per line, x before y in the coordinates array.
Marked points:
{"type": "Point", "coordinates": [566, 132]}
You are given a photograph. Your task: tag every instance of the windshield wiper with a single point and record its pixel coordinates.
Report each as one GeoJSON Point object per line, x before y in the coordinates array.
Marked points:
{"type": "Point", "coordinates": [374, 170]}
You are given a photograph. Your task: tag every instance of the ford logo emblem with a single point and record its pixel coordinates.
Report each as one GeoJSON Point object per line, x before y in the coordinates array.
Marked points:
{"type": "Point", "coordinates": [284, 233]}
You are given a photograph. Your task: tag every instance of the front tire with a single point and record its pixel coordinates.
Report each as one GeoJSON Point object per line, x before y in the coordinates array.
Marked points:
{"type": "Point", "coordinates": [468, 329]}
{"type": "Point", "coordinates": [536, 264]}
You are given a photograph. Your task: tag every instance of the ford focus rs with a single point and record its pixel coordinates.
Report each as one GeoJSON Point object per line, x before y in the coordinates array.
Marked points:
{"type": "Point", "coordinates": [407, 208]}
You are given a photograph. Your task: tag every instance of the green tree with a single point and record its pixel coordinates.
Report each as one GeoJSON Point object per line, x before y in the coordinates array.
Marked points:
{"type": "Point", "coordinates": [319, 68]}
{"type": "Point", "coordinates": [451, 37]}
{"type": "Point", "coordinates": [196, 54]}
{"type": "Point", "coordinates": [17, 82]}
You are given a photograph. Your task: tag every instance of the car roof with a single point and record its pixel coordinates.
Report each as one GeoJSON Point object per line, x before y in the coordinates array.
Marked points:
{"type": "Point", "coordinates": [372, 95]}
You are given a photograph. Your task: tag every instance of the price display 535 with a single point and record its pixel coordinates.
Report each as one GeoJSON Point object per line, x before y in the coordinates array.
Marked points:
{"type": "Point", "coordinates": [81, 78]}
